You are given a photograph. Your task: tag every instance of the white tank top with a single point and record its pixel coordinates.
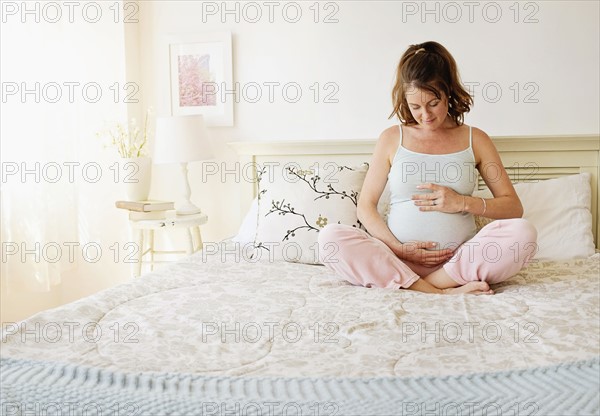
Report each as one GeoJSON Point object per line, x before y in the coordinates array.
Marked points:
{"type": "Point", "coordinates": [409, 169]}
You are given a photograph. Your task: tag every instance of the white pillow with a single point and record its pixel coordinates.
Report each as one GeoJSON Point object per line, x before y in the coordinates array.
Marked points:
{"type": "Point", "coordinates": [560, 210]}
{"type": "Point", "coordinates": [247, 230]}
{"type": "Point", "coordinates": [295, 205]}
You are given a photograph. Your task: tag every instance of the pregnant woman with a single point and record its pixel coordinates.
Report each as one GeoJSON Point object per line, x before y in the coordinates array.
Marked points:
{"type": "Point", "coordinates": [429, 242]}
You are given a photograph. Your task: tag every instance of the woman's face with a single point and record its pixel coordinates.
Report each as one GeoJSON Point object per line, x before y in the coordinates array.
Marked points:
{"type": "Point", "coordinates": [428, 110]}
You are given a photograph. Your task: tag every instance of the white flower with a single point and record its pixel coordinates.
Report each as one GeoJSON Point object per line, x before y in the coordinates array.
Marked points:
{"type": "Point", "coordinates": [129, 140]}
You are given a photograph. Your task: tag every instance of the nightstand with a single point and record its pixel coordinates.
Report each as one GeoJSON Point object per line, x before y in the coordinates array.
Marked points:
{"type": "Point", "coordinates": [143, 235]}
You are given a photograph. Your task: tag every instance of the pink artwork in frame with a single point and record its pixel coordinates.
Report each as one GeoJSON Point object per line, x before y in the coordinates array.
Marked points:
{"type": "Point", "coordinates": [194, 78]}
{"type": "Point", "coordinates": [201, 71]}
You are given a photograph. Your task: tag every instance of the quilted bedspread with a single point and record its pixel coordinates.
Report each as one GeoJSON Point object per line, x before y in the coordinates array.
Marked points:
{"type": "Point", "coordinates": [222, 317]}
{"type": "Point", "coordinates": [215, 315]}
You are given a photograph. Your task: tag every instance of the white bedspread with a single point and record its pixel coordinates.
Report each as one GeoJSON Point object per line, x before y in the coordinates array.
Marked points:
{"type": "Point", "coordinates": [218, 316]}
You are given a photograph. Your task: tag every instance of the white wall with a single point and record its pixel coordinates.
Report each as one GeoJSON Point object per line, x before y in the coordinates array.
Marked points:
{"type": "Point", "coordinates": [550, 55]}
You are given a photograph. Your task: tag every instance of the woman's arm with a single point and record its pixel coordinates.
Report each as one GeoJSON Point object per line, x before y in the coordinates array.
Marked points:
{"type": "Point", "coordinates": [373, 187]}
{"type": "Point", "coordinates": [368, 215]}
{"type": "Point", "coordinates": [506, 203]}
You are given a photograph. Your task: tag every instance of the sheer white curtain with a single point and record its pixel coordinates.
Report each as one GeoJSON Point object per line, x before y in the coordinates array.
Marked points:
{"type": "Point", "coordinates": [61, 80]}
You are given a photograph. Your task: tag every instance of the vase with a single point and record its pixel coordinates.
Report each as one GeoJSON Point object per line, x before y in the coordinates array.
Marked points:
{"type": "Point", "coordinates": [137, 173]}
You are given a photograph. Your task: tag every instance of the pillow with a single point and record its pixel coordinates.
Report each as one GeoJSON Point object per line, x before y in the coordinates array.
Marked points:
{"type": "Point", "coordinates": [247, 230]}
{"type": "Point", "coordinates": [296, 204]}
{"type": "Point", "coordinates": [560, 211]}
{"type": "Point", "coordinates": [564, 232]}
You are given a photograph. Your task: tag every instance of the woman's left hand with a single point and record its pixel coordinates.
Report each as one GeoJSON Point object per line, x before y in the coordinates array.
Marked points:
{"type": "Point", "coordinates": [441, 198]}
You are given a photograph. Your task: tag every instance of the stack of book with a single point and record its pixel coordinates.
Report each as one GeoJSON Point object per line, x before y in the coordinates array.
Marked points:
{"type": "Point", "coordinates": [146, 210]}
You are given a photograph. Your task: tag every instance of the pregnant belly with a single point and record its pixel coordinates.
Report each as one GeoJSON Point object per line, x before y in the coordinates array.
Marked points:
{"type": "Point", "coordinates": [407, 223]}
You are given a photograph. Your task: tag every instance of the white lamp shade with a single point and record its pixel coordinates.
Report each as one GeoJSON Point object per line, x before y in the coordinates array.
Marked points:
{"type": "Point", "coordinates": [181, 139]}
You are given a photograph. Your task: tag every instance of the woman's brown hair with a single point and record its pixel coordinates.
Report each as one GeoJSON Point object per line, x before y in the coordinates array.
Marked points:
{"type": "Point", "coordinates": [429, 66]}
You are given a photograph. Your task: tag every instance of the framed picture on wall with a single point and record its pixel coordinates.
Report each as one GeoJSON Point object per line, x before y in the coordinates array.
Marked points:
{"type": "Point", "coordinates": [201, 74]}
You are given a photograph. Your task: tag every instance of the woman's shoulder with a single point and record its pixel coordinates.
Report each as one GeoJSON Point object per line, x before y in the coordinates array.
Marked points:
{"type": "Point", "coordinates": [389, 138]}
{"type": "Point", "coordinates": [483, 146]}
{"type": "Point", "coordinates": [390, 133]}
{"type": "Point", "coordinates": [480, 137]}
{"type": "Point", "coordinates": [387, 143]}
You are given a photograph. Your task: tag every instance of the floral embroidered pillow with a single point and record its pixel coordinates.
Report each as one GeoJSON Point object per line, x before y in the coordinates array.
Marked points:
{"type": "Point", "coordinates": [296, 204]}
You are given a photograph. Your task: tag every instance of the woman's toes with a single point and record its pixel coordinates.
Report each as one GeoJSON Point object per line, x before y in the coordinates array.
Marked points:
{"type": "Point", "coordinates": [476, 288]}
{"type": "Point", "coordinates": [482, 286]}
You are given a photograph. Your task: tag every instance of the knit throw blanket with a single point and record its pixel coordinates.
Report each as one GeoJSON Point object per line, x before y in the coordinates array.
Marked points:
{"type": "Point", "coordinates": [45, 388]}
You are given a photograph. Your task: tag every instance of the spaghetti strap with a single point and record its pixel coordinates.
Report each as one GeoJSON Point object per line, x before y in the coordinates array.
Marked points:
{"type": "Point", "coordinates": [400, 126]}
{"type": "Point", "coordinates": [470, 136]}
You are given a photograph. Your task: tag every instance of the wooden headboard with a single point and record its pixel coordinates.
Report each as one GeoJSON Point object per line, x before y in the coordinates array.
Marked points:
{"type": "Point", "coordinates": [525, 158]}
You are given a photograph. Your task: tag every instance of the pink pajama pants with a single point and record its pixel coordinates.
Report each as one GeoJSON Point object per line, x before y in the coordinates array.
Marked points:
{"type": "Point", "coordinates": [497, 252]}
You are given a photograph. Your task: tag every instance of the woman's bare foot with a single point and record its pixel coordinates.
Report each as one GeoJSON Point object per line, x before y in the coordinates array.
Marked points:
{"type": "Point", "coordinates": [473, 288]}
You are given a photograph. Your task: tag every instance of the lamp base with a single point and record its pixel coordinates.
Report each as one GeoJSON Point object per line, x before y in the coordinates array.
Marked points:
{"type": "Point", "coordinates": [187, 208]}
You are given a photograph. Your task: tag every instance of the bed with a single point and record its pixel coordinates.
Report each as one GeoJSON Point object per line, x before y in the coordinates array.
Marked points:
{"type": "Point", "coordinates": [224, 331]}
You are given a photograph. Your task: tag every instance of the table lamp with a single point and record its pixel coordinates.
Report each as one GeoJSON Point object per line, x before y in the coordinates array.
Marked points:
{"type": "Point", "coordinates": [182, 139]}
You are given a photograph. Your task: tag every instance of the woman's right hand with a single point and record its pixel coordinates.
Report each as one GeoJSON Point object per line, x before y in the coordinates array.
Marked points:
{"type": "Point", "coordinates": [421, 252]}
